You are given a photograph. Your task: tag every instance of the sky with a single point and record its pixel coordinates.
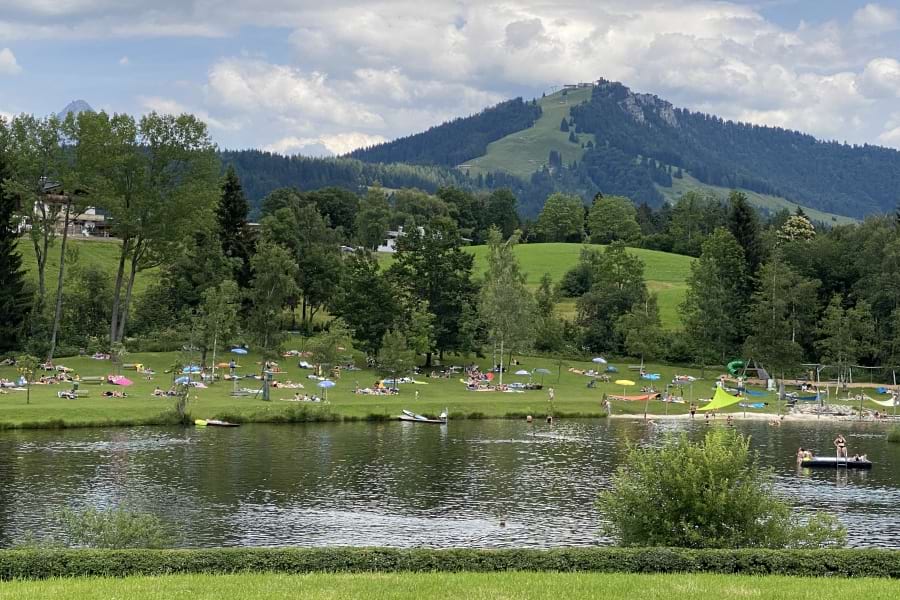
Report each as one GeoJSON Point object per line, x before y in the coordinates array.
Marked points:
{"type": "Point", "coordinates": [318, 77]}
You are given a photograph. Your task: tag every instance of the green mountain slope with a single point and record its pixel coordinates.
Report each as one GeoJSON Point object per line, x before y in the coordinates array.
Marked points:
{"type": "Point", "coordinates": [765, 202]}
{"type": "Point", "coordinates": [525, 151]}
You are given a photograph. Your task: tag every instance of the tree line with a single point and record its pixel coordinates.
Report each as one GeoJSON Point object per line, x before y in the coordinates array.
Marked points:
{"type": "Point", "coordinates": [779, 289]}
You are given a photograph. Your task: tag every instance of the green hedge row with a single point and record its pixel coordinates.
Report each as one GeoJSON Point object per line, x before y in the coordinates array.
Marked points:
{"type": "Point", "coordinates": [40, 564]}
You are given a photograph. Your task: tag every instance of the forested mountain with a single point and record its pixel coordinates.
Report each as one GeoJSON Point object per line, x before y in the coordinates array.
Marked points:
{"type": "Point", "coordinates": [623, 143]}
{"type": "Point", "coordinates": [830, 176]}
{"type": "Point", "coordinates": [456, 141]}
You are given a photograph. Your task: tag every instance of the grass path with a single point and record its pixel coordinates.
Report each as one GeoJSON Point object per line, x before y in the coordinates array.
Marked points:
{"type": "Point", "coordinates": [414, 586]}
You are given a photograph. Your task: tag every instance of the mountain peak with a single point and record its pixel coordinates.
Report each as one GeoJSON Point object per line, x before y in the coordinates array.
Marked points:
{"type": "Point", "coordinates": [76, 106]}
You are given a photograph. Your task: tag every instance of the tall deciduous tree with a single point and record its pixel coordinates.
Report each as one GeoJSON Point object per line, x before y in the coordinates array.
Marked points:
{"type": "Point", "coordinates": [506, 307]}
{"type": "Point", "coordinates": [330, 346]}
{"type": "Point", "coordinates": [373, 219]}
{"type": "Point", "coordinates": [845, 335]}
{"type": "Point", "coordinates": [641, 330]}
{"type": "Point", "coordinates": [561, 219]}
{"type": "Point", "coordinates": [367, 301]}
{"type": "Point", "coordinates": [432, 268]}
{"type": "Point", "coordinates": [218, 317]}
{"type": "Point", "coordinates": [395, 357]}
{"type": "Point", "coordinates": [161, 177]}
{"type": "Point", "coordinates": [234, 236]}
{"type": "Point", "coordinates": [274, 283]}
{"type": "Point", "coordinates": [316, 252]}
{"type": "Point", "coordinates": [617, 284]}
{"type": "Point", "coordinates": [613, 218]}
{"type": "Point", "coordinates": [35, 164]}
{"type": "Point", "coordinates": [714, 308]}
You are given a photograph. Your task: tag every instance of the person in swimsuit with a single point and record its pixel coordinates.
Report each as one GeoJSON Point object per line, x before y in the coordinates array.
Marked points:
{"type": "Point", "coordinates": [801, 454]}
{"type": "Point", "coordinates": [841, 445]}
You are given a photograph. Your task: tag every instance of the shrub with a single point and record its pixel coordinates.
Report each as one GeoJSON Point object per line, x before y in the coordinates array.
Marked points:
{"type": "Point", "coordinates": [894, 435]}
{"type": "Point", "coordinates": [710, 494]}
{"type": "Point", "coordinates": [45, 563]}
{"type": "Point", "coordinates": [115, 528]}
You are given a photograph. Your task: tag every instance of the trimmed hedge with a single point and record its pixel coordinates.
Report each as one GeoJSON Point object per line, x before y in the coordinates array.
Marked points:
{"type": "Point", "coordinates": [41, 564]}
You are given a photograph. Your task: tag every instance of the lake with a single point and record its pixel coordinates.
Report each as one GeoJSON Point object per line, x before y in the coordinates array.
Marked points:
{"type": "Point", "coordinates": [489, 483]}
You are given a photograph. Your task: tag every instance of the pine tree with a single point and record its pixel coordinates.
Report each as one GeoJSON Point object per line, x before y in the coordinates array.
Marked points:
{"type": "Point", "coordinates": [743, 223]}
{"type": "Point", "coordinates": [573, 138]}
{"type": "Point", "coordinates": [13, 293]}
{"type": "Point", "coordinates": [232, 217]}
{"type": "Point", "coordinates": [564, 126]}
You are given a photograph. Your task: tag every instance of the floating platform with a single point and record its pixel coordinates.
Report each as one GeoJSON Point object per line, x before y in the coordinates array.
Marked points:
{"type": "Point", "coordinates": [831, 462]}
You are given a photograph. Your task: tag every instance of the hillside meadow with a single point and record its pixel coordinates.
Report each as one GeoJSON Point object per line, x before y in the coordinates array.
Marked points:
{"type": "Point", "coordinates": [666, 274]}
{"type": "Point", "coordinates": [524, 152]}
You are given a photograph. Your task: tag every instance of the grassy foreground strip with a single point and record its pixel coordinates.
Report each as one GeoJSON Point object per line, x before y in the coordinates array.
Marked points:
{"type": "Point", "coordinates": [373, 586]}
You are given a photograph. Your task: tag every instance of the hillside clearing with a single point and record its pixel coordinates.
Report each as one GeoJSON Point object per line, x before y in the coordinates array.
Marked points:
{"type": "Point", "coordinates": [524, 152]}
{"type": "Point", "coordinates": [666, 274]}
{"type": "Point", "coordinates": [765, 201]}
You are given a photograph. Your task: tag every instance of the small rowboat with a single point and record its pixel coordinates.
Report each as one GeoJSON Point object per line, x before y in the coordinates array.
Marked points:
{"type": "Point", "coordinates": [831, 462]}
{"type": "Point", "coordinates": [412, 417]}
{"type": "Point", "coordinates": [214, 423]}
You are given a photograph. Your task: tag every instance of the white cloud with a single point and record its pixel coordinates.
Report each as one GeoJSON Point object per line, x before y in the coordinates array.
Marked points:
{"type": "Point", "coordinates": [124, 61]}
{"type": "Point", "coordinates": [393, 67]}
{"type": "Point", "coordinates": [874, 18]}
{"type": "Point", "coordinates": [293, 96]}
{"type": "Point", "coordinates": [8, 63]}
{"type": "Point", "coordinates": [337, 144]}
{"type": "Point", "coordinates": [881, 78]}
{"type": "Point", "coordinates": [891, 134]}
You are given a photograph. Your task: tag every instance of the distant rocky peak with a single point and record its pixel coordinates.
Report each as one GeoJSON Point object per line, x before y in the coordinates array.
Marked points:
{"type": "Point", "coordinates": [637, 106]}
{"type": "Point", "coordinates": [76, 106]}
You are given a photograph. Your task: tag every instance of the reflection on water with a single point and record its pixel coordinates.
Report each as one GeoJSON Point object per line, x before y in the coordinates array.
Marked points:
{"type": "Point", "coordinates": [478, 483]}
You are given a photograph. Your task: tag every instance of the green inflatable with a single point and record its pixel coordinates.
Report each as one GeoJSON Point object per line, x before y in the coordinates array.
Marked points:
{"type": "Point", "coordinates": [735, 366]}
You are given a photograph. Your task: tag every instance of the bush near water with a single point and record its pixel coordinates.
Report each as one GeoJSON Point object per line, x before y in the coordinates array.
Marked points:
{"type": "Point", "coordinates": [43, 564]}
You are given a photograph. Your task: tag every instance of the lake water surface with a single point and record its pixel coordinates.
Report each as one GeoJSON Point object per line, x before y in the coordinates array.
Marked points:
{"type": "Point", "coordinates": [400, 484]}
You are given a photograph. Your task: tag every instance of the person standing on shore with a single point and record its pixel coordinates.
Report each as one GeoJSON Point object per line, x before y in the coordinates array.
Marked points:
{"type": "Point", "coordinates": [693, 409]}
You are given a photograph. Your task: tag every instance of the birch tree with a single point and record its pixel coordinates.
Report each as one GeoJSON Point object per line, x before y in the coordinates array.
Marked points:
{"type": "Point", "coordinates": [506, 307]}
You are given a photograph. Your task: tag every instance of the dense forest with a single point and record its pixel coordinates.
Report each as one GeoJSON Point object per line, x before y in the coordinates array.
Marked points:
{"type": "Point", "coordinates": [262, 172]}
{"type": "Point", "coordinates": [456, 141]}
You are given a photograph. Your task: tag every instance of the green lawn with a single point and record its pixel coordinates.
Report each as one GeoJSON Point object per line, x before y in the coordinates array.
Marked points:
{"type": "Point", "coordinates": [510, 585]}
{"type": "Point", "coordinates": [773, 203]}
{"type": "Point", "coordinates": [95, 251]}
{"type": "Point", "coordinates": [523, 152]}
{"type": "Point", "coordinates": [666, 273]}
{"type": "Point", "coordinates": [572, 396]}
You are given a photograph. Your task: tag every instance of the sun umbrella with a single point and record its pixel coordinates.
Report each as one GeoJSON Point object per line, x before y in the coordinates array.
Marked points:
{"type": "Point", "coordinates": [650, 376]}
{"type": "Point", "coordinates": [325, 384]}
{"type": "Point", "coordinates": [599, 360]}
{"type": "Point", "coordinates": [183, 380]}
{"type": "Point", "coordinates": [191, 369]}
{"type": "Point", "coordinates": [238, 351]}
{"type": "Point", "coordinates": [624, 383]}
{"type": "Point", "coordinates": [542, 372]}
{"type": "Point", "coordinates": [522, 372]}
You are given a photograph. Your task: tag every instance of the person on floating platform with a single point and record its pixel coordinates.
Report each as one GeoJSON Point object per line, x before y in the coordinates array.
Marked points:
{"type": "Point", "coordinates": [840, 445]}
